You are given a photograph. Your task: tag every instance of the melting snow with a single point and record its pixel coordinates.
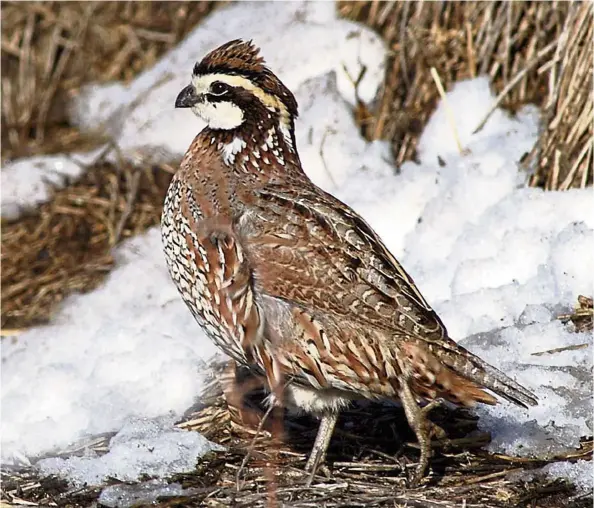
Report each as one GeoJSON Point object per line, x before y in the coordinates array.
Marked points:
{"type": "Point", "coordinates": [141, 447]}
{"type": "Point", "coordinates": [140, 494]}
{"type": "Point", "coordinates": [493, 257]}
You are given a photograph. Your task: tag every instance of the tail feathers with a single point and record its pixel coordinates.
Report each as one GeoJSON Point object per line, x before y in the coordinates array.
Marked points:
{"type": "Point", "coordinates": [466, 392]}
{"type": "Point", "coordinates": [481, 373]}
{"type": "Point", "coordinates": [458, 390]}
{"type": "Point", "coordinates": [451, 372]}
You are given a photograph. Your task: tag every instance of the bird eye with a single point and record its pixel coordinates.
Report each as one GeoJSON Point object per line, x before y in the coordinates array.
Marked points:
{"type": "Point", "coordinates": [218, 88]}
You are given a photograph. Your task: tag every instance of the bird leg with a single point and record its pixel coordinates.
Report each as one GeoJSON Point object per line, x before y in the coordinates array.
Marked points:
{"type": "Point", "coordinates": [320, 446]}
{"type": "Point", "coordinates": [422, 427]}
{"type": "Point", "coordinates": [434, 430]}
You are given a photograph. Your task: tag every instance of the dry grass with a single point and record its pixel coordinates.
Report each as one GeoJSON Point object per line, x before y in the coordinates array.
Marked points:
{"type": "Point", "coordinates": [564, 153]}
{"type": "Point", "coordinates": [370, 459]}
{"type": "Point", "coordinates": [50, 49]}
{"type": "Point", "coordinates": [533, 52]}
{"type": "Point", "coordinates": [582, 318]}
{"type": "Point", "coordinates": [65, 245]}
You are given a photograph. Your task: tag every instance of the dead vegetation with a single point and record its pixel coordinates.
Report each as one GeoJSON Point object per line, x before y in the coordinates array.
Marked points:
{"type": "Point", "coordinates": [582, 318]}
{"type": "Point", "coordinates": [533, 52]}
{"type": "Point", "coordinates": [370, 458]}
{"type": "Point", "coordinates": [564, 152]}
{"type": "Point", "coordinates": [51, 49]}
{"type": "Point", "coordinates": [66, 244]}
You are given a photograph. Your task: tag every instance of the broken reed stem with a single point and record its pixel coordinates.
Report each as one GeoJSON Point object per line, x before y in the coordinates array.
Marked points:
{"type": "Point", "coordinates": [514, 81]}
{"type": "Point", "coordinates": [449, 111]}
{"type": "Point", "coordinates": [248, 455]}
{"type": "Point", "coordinates": [561, 349]}
{"type": "Point", "coordinates": [470, 51]}
{"type": "Point", "coordinates": [134, 182]}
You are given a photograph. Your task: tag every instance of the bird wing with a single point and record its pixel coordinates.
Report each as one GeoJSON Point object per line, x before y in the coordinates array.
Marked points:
{"type": "Point", "coordinates": [309, 249]}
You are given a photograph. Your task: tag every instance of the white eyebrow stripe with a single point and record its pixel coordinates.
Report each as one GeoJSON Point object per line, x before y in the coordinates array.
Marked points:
{"type": "Point", "coordinates": [202, 84]}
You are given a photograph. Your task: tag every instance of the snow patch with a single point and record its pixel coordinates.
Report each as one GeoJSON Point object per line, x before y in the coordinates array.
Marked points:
{"type": "Point", "coordinates": [579, 473]}
{"type": "Point", "coordinates": [28, 182]}
{"type": "Point", "coordinates": [145, 493]}
{"type": "Point", "coordinates": [129, 348]}
{"type": "Point", "coordinates": [141, 447]}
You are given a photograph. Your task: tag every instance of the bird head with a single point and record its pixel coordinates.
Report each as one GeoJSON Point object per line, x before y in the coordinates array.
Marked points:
{"type": "Point", "coordinates": [232, 87]}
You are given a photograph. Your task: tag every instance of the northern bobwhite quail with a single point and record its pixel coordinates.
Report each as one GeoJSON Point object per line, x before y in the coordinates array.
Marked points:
{"type": "Point", "coordinates": [291, 282]}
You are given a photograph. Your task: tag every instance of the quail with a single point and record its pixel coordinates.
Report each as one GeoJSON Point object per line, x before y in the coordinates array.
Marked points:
{"type": "Point", "coordinates": [291, 282]}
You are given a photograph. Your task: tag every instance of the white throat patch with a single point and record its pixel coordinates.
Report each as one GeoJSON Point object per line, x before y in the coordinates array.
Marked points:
{"type": "Point", "coordinates": [219, 115]}
{"type": "Point", "coordinates": [232, 149]}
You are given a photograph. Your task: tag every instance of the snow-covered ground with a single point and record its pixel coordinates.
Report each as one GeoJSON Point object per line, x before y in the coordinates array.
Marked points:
{"type": "Point", "coordinates": [494, 258]}
{"type": "Point", "coordinates": [26, 183]}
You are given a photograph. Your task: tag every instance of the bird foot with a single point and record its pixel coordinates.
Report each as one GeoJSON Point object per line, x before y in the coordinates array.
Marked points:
{"type": "Point", "coordinates": [423, 428]}
{"type": "Point", "coordinates": [434, 430]}
{"type": "Point", "coordinates": [318, 451]}
{"type": "Point", "coordinates": [321, 470]}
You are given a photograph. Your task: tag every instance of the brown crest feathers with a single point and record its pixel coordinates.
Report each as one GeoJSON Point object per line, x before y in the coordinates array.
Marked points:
{"type": "Point", "coordinates": [233, 57]}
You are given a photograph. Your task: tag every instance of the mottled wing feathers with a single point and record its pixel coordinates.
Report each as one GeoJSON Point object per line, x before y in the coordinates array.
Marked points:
{"type": "Point", "coordinates": [318, 250]}
{"type": "Point", "coordinates": [326, 353]}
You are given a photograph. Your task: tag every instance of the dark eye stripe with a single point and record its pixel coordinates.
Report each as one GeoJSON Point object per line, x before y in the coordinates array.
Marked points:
{"type": "Point", "coordinates": [213, 99]}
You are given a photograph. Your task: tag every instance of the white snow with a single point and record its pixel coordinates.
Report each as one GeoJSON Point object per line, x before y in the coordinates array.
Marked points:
{"type": "Point", "coordinates": [27, 182]}
{"type": "Point", "coordinates": [141, 447]}
{"type": "Point", "coordinates": [494, 258]}
{"type": "Point", "coordinates": [128, 348]}
{"type": "Point", "coordinates": [579, 473]}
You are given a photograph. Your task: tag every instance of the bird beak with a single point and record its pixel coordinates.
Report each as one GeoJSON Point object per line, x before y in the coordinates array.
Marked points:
{"type": "Point", "coordinates": [186, 98]}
